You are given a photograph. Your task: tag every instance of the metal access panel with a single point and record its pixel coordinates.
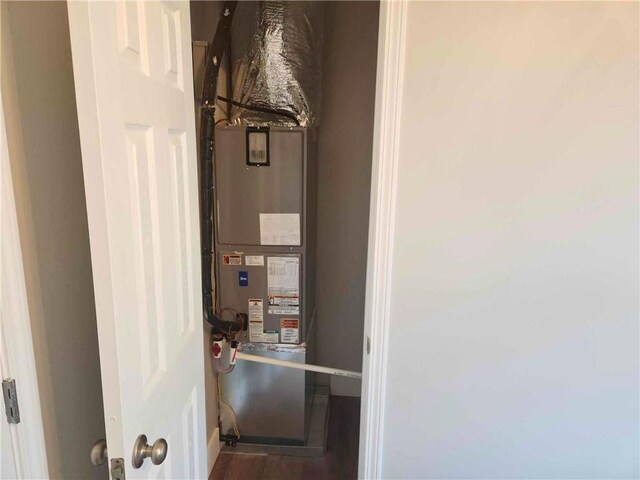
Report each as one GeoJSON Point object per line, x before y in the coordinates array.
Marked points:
{"type": "Point", "coordinates": [269, 401]}
{"type": "Point", "coordinates": [244, 277]}
{"type": "Point", "coordinates": [245, 192]}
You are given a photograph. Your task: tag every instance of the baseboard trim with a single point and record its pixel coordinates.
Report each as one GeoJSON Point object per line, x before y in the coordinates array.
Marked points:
{"type": "Point", "coordinates": [213, 449]}
{"type": "Point", "coordinates": [346, 387]}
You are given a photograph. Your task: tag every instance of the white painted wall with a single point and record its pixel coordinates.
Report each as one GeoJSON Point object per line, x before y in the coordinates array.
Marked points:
{"type": "Point", "coordinates": [514, 307]}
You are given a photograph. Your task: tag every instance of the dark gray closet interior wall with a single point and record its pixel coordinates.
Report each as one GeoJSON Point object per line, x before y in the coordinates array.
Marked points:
{"type": "Point", "coordinates": [345, 138]}
{"type": "Point", "coordinates": [204, 19]}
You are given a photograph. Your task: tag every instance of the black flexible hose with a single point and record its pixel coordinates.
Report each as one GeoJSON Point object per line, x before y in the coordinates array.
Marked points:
{"type": "Point", "coordinates": [224, 326]}
{"type": "Point", "coordinates": [218, 46]}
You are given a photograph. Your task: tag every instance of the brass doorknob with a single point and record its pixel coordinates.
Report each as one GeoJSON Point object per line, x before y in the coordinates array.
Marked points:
{"type": "Point", "coordinates": [99, 452]}
{"type": "Point", "coordinates": [157, 452]}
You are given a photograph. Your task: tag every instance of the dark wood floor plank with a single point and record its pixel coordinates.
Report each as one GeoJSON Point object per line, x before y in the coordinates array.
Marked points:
{"type": "Point", "coordinates": [246, 467]}
{"type": "Point", "coordinates": [339, 463]}
{"type": "Point", "coordinates": [342, 441]}
{"type": "Point", "coordinates": [221, 467]}
{"type": "Point", "coordinates": [317, 469]}
{"type": "Point", "coordinates": [280, 467]}
{"type": "Point", "coordinates": [238, 467]}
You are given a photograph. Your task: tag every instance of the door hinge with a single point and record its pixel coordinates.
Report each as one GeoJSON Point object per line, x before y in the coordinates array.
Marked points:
{"type": "Point", "coordinates": [117, 469]}
{"type": "Point", "coordinates": [11, 400]}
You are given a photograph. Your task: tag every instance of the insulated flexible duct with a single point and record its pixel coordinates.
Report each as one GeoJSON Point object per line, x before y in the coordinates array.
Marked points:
{"type": "Point", "coordinates": [276, 49]}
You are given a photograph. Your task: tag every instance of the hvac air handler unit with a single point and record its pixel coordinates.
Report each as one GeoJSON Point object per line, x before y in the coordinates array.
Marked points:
{"type": "Point", "coordinates": [258, 223]}
{"type": "Point", "coordinates": [265, 231]}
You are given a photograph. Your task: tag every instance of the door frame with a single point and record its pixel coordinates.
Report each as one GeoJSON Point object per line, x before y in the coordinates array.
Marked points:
{"type": "Point", "coordinates": [17, 359]}
{"type": "Point", "coordinates": [386, 141]}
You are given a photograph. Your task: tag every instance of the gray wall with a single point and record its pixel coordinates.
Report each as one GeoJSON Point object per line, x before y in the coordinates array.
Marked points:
{"type": "Point", "coordinates": [513, 342]}
{"type": "Point", "coordinates": [204, 19]}
{"type": "Point", "coordinates": [44, 148]}
{"type": "Point", "coordinates": [345, 137]}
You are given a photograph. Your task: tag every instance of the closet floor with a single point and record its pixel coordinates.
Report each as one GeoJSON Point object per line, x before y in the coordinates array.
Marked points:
{"type": "Point", "coordinates": [340, 460]}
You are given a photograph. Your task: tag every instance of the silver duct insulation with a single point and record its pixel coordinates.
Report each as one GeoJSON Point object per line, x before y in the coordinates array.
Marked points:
{"type": "Point", "coordinates": [275, 50]}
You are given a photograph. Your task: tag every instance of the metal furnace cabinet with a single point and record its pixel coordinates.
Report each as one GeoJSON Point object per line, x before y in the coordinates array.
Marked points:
{"type": "Point", "coordinates": [264, 191]}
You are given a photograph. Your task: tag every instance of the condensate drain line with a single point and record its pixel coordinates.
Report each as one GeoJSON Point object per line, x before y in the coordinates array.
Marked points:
{"type": "Point", "coordinates": [300, 366]}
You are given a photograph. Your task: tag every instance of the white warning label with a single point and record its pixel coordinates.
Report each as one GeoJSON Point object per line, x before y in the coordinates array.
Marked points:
{"type": "Point", "coordinates": [254, 260]}
{"type": "Point", "coordinates": [289, 330]}
{"type": "Point", "coordinates": [291, 310]}
{"type": "Point", "coordinates": [283, 285]}
{"type": "Point", "coordinates": [279, 229]}
{"type": "Point", "coordinates": [257, 333]}
{"type": "Point", "coordinates": [256, 320]}
{"type": "Point", "coordinates": [270, 336]}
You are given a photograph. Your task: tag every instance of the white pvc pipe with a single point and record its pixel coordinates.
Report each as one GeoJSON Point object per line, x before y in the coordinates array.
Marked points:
{"type": "Point", "coordinates": [299, 366]}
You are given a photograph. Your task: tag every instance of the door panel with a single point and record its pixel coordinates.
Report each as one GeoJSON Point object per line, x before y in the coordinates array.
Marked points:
{"type": "Point", "coordinates": [132, 66]}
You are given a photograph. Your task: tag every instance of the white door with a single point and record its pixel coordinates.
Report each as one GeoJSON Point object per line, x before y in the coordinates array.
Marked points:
{"type": "Point", "coordinates": [134, 90]}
